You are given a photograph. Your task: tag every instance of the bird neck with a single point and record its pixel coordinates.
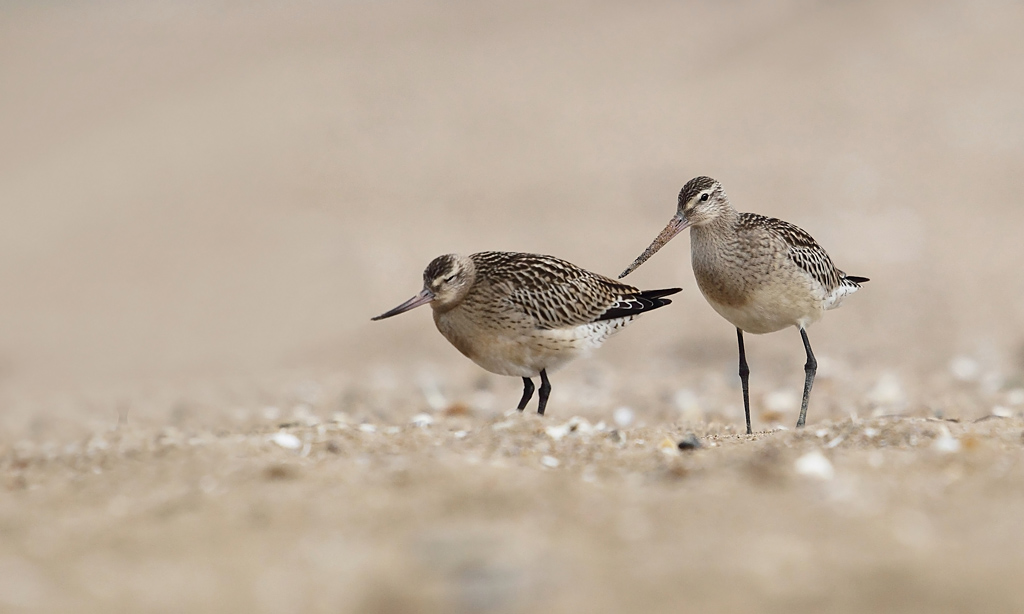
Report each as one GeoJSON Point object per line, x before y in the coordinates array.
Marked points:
{"type": "Point", "coordinates": [715, 242]}
{"type": "Point", "coordinates": [722, 224]}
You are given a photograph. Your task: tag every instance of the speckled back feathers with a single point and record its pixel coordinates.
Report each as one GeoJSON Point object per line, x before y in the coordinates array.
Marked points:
{"type": "Point", "coordinates": [555, 293]}
{"type": "Point", "coordinates": [804, 251]}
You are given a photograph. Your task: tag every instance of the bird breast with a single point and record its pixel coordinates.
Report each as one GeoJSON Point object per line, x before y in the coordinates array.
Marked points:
{"type": "Point", "coordinates": [752, 283]}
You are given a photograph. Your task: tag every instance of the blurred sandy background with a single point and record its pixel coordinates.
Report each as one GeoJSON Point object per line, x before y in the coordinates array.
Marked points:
{"type": "Point", "coordinates": [202, 205]}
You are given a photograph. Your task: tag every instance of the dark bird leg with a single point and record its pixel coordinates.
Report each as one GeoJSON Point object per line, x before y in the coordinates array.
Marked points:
{"type": "Point", "coordinates": [809, 369]}
{"type": "Point", "coordinates": [545, 390]}
{"type": "Point", "coordinates": [744, 379]}
{"type": "Point", "coordinates": [527, 393]}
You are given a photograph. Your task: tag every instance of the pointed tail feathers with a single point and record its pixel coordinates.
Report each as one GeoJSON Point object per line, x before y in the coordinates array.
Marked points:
{"type": "Point", "coordinates": [647, 300]}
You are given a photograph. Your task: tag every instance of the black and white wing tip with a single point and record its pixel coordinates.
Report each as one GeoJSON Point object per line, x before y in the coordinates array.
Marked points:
{"type": "Point", "coordinates": [633, 304]}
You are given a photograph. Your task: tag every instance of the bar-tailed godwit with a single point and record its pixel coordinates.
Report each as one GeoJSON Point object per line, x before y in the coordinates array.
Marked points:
{"type": "Point", "coordinates": [759, 273]}
{"type": "Point", "coordinates": [523, 314]}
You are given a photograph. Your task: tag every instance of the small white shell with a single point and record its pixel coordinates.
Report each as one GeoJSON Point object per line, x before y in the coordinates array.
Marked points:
{"type": "Point", "coordinates": [815, 465]}
{"type": "Point", "coordinates": [623, 416]}
{"type": "Point", "coordinates": [422, 420]}
{"type": "Point", "coordinates": [286, 440]}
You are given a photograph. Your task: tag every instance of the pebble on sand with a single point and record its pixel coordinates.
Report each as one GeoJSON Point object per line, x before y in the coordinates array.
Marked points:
{"type": "Point", "coordinates": [690, 442]}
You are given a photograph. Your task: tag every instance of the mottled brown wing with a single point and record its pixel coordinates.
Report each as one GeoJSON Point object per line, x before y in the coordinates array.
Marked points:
{"type": "Point", "coordinates": [804, 251]}
{"type": "Point", "coordinates": [555, 293]}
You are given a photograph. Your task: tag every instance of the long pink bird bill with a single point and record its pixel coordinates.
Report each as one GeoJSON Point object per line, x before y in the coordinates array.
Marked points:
{"type": "Point", "coordinates": [422, 298]}
{"type": "Point", "coordinates": [675, 226]}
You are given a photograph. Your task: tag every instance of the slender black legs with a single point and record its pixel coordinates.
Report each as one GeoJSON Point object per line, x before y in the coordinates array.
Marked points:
{"type": "Point", "coordinates": [527, 393]}
{"type": "Point", "coordinates": [744, 379]}
{"type": "Point", "coordinates": [545, 390]}
{"type": "Point", "coordinates": [809, 369]}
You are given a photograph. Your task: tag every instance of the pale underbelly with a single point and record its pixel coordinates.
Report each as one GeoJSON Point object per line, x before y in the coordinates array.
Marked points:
{"type": "Point", "coordinates": [771, 309]}
{"type": "Point", "coordinates": [526, 353]}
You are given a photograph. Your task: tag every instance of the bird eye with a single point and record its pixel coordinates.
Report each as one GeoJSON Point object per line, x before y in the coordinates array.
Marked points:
{"type": "Point", "coordinates": [449, 279]}
{"type": "Point", "coordinates": [704, 197]}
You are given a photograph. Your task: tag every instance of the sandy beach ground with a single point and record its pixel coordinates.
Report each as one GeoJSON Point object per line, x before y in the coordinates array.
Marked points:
{"type": "Point", "coordinates": [202, 205]}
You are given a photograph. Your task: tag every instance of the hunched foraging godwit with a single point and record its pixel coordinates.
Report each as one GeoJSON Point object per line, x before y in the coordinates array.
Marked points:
{"type": "Point", "coordinates": [522, 314]}
{"type": "Point", "coordinates": [759, 273]}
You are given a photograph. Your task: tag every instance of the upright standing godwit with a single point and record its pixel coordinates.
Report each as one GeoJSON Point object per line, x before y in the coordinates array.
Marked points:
{"type": "Point", "coordinates": [759, 273]}
{"type": "Point", "coordinates": [522, 314]}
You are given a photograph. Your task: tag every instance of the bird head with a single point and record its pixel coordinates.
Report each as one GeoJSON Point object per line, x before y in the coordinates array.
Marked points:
{"type": "Point", "coordinates": [446, 281]}
{"type": "Point", "coordinates": [701, 201]}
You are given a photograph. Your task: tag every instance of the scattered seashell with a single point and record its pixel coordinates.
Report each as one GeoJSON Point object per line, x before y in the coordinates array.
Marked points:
{"type": "Point", "coordinates": [815, 465]}
{"type": "Point", "coordinates": [286, 440]}
{"type": "Point", "coordinates": [1002, 412]}
{"type": "Point", "coordinates": [550, 461]}
{"type": "Point", "coordinates": [422, 420]}
{"type": "Point", "coordinates": [581, 425]}
{"type": "Point", "coordinates": [558, 432]}
{"type": "Point", "coordinates": [623, 417]}
{"type": "Point", "coordinates": [946, 443]}
{"type": "Point", "coordinates": [668, 447]}
{"type": "Point", "coordinates": [367, 428]}
{"type": "Point", "coordinates": [838, 439]}
{"type": "Point", "coordinates": [460, 434]}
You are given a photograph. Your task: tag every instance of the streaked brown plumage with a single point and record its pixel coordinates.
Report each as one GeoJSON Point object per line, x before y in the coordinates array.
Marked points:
{"type": "Point", "coordinates": [522, 314]}
{"type": "Point", "coordinates": [759, 273]}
